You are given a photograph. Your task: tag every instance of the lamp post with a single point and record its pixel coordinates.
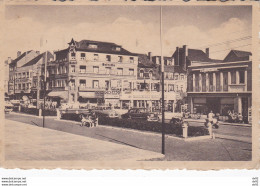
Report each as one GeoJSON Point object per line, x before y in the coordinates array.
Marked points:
{"type": "Point", "coordinates": [162, 82]}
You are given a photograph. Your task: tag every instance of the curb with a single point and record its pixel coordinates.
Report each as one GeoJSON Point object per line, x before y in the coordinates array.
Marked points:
{"type": "Point", "coordinates": [222, 123]}
{"type": "Point", "coordinates": [24, 114]}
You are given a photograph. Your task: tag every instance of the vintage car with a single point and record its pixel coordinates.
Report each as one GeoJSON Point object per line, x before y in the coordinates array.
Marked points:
{"type": "Point", "coordinates": [105, 112]}
{"type": "Point", "coordinates": [8, 107]}
{"type": "Point", "coordinates": [136, 113]}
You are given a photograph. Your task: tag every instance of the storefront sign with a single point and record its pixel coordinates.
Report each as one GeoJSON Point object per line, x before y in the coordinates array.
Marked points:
{"type": "Point", "coordinates": [112, 94]}
{"type": "Point", "coordinates": [108, 64]}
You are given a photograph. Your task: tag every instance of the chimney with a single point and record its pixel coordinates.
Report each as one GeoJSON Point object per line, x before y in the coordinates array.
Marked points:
{"type": "Point", "coordinates": [9, 60]}
{"type": "Point", "coordinates": [207, 51]}
{"type": "Point", "coordinates": [184, 56]}
{"type": "Point", "coordinates": [19, 53]}
{"type": "Point", "coordinates": [176, 61]}
{"type": "Point", "coordinates": [150, 56]}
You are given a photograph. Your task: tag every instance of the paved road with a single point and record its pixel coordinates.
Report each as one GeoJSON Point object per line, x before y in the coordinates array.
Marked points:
{"type": "Point", "coordinates": [176, 149]}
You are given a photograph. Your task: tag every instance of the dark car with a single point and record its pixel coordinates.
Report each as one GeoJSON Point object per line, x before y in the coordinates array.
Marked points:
{"type": "Point", "coordinates": [136, 113]}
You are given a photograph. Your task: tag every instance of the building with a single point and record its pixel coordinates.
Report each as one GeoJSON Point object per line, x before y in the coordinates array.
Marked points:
{"type": "Point", "coordinates": [91, 72]}
{"type": "Point", "coordinates": [221, 86]}
{"type": "Point", "coordinates": [6, 76]}
{"type": "Point", "coordinates": [27, 77]}
{"type": "Point", "coordinates": [147, 90]}
{"type": "Point", "coordinates": [15, 74]}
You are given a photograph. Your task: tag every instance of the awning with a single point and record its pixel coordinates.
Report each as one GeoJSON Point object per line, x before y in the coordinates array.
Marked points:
{"type": "Point", "coordinates": [90, 95]}
{"type": "Point", "coordinates": [60, 94]}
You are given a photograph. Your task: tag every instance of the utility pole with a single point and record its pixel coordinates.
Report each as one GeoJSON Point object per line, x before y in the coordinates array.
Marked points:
{"type": "Point", "coordinates": [44, 89]}
{"type": "Point", "coordinates": [162, 81]}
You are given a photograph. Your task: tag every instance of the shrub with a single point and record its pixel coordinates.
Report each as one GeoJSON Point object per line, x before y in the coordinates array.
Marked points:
{"type": "Point", "coordinates": [35, 111]}
{"type": "Point", "coordinates": [152, 126]}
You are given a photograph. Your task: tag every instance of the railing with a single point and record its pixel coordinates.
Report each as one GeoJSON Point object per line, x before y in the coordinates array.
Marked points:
{"type": "Point", "coordinates": [237, 88]}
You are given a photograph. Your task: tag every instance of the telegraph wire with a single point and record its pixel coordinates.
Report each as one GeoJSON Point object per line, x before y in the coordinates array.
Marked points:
{"type": "Point", "coordinates": [230, 48]}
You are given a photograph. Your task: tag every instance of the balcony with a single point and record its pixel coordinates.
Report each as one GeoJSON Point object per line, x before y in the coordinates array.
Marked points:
{"type": "Point", "coordinates": [237, 88]}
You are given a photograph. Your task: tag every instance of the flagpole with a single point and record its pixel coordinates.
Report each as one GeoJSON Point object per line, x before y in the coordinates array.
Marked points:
{"type": "Point", "coordinates": [44, 88]}
{"type": "Point", "coordinates": [162, 73]}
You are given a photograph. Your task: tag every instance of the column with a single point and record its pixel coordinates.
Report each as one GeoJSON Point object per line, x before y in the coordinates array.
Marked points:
{"type": "Point", "coordinates": [229, 79]}
{"type": "Point", "coordinates": [200, 83]}
{"type": "Point", "coordinates": [193, 83]}
{"type": "Point", "coordinates": [221, 81]}
{"type": "Point", "coordinates": [207, 82]}
{"type": "Point", "coordinates": [237, 77]}
{"type": "Point", "coordinates": [239, 105]}
{"type": "Point", "coordinates": [245, 80]}
{"type": "Point", "coordinates": [214, 82]}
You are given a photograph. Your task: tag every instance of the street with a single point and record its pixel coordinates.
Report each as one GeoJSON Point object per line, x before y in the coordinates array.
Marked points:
{"type": "Point", "coordinates": [227, 147]}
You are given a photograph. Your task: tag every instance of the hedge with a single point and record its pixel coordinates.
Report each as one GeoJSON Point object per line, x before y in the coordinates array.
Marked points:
{"type": "Point", "coordinates": [35, 111]}
{"type": "Point", "coordinates": [142, 125]}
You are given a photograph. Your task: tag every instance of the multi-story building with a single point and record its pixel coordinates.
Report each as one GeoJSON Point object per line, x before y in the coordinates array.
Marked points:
{"type": "Point", "coordinates": [92, 72]}
{"type": "Point", "coordinates": [15, 88]}
{"type": "Point", "coordinates": [221, 86]}
{"type": "Point", "coordinates": [147, 90]}
{"type": "Point", "coordinates": [27, 76]}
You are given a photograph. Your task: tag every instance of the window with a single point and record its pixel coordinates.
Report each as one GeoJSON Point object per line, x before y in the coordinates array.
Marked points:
{"type": "Point", "coordinates": [82, 69]}
{"type": "Point", "coordinates": [120, 59]}
{"type": "Point", "coordinates": [65, 69]}
{"type": "Point", "coordinates": [131, 72]}
{"type": "Point", "coordinates": [171, 87]}
{"type": "Point", "coordinates": [107, 83]}
{"type": "Point", "coordinates": [108, 70]}
{"type": "Point", "coordinates": [181, 87]}
{"type": "Point", "coordinates": [182, 77]}
{"type": "Point", "coordinates": [241, 77]}
{"type": "Point", "coordinates": [82, 56]}
{"type": "Point", "coordinates": [72, 68]}
{"type": "Point", "coordinates": [95, 84]}
{"type": "Point", "coordinates": [233, 77]}
{"type": "Point", "coordinates": [72, 82]}
{"type": "Point", "coordinates": [96, 69]}
{"type": "Point", "coordinates": [141, 73]}
{"type": "Point", "coordinates": [82, 83]}
{"type": "Point", "coordinates": [131, 59]}
{"type": "Point", "coordinates": [27, 74]}
{"type": "Point", "coordinates": [176, 77]}
{"type": "Point", "coordinates": [166, 75]}
{"type": "Point", "coordinates": [150, 74]}
{"type": "Point", "coordinates": [177, 87]}
{"type": "Point", "coordinates": [108, 58]}
{"type": "Point", "coordinates": [119, 71]}
{"type": "Point", "coordinates": [95, 57]}
{"type": "Point", "coordinates": [118, 48]}
{"type": "Point", "coordinates": [73, 55]}
{"type": "Point", "coordinates": [24, 75]}
{"type": "Point", "coordinates": [19, 86]}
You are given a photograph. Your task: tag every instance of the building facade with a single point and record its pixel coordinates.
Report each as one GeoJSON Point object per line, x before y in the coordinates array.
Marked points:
{"type": "Point", "coordinates": [92, 72]}
{"type": "Point", "coordinates": [222, 86]}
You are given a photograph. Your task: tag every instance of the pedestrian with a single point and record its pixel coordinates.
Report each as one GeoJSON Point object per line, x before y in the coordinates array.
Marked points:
{"type": "Point", "coordinates": [210, 116]}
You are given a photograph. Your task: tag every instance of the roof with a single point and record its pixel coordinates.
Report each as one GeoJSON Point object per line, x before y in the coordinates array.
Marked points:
{"type": "Point", "coordinates": [38, 58]}
{"type": "Point", "coordinates": [20, 57]}
{"type": "Point", "coordinates": [237, 55]}
{"type": "Point", "coordinates": [240, 53]}
{"type": "Point", "coordinates": [102, 47]}
{"type": "Point", "coordinates": [199, 55]}
{"type": "Point", "coordinates": [178, 69]}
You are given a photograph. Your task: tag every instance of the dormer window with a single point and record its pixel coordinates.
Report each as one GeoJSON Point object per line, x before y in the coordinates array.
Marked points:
{"type": "Point", "coordinates": [94, 46]}
{"type": "Point", "coordinates": [118, 48]}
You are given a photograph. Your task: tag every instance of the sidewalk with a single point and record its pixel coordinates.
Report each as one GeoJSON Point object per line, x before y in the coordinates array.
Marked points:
{"type": "Point", "coordinates": [220, 122]}
{"type": "Point", "coordinates": [27, 142]}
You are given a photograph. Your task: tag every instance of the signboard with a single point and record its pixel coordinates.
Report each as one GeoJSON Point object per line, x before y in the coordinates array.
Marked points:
{"type": "Point", "coordinates": [112, 94]}
{"type": "Point", "coordinates": [108, 64]}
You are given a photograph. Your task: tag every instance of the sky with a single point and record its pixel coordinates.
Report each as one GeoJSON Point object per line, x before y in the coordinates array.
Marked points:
{"type": "Point", "coordinates": [135, 28]}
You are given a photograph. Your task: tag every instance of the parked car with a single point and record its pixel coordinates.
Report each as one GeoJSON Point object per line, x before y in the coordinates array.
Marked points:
{"type": "Point", "coordinates": [8, 107]}
{"type": "Point", "coordinates": [154, 117]}
{"type": "Point", "coordinates": [105, 112]}
{"type": "Point", "coordinates": [136, 113]}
